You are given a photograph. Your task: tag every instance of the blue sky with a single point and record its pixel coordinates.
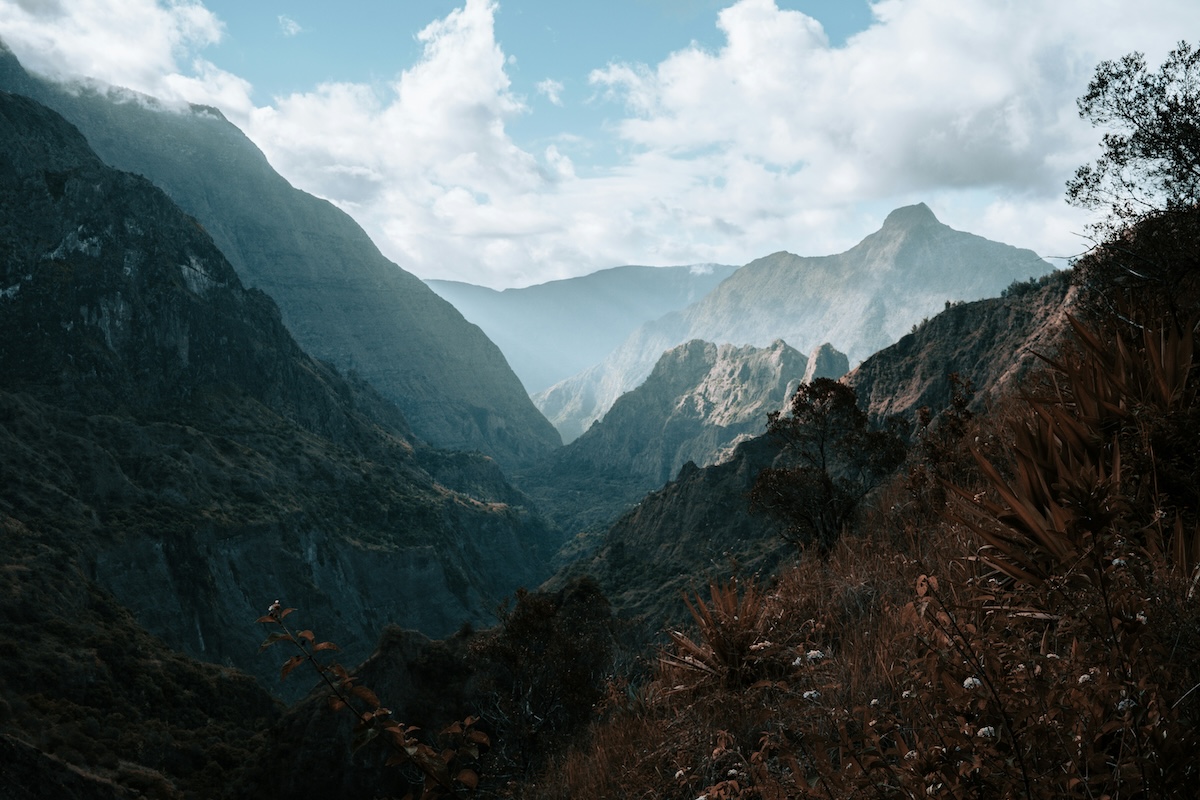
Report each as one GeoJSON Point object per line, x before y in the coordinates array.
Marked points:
{"type": "Point", "coordinates": [509, 142]}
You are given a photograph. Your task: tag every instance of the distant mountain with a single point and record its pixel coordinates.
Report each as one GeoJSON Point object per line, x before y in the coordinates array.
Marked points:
{"type": "Point", "coordinates": [553, 330]}
{"type": "Point", "coordinates": [698, 403]}
{"type": "Point", "coordinates": [860, 301]}
{"type": "Point", "coordinates": [164, 439]}
{"type": "Point", "coordinates": [700, 521]}
{"type": "Point", "coordinates": [342, 300]}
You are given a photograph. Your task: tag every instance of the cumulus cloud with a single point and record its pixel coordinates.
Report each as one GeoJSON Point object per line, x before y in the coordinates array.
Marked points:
{"type": "Point", "coordinates": [135, 44]}
{"type": "Point", "coordinates": [552, 89]}
{"type": "Point", "coordinates": [772, 140]}
{"type": "Point", "coordinates": [289, 26]}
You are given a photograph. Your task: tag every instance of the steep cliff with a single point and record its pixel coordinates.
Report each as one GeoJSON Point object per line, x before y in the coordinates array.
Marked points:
{"type": "Point", "coordinates": [860, 301]}
{"type": "Point", "coordinates": [161, 429]}
{"type": "Point", "coordinates": [339, 297]}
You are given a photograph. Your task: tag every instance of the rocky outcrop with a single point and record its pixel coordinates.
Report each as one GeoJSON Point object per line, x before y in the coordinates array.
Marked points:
{"type": "Point", "coordinates": [698, 403]}
{"type": "Point", "coordinates": [993, 343]}
{"type": "Point", "coordinates": [826, 362]}
{"type": "Point", "coordinates": [861, 301]}
{"type": "Point", "coordinates": [162, 432]}
{"type": "Point", "coordinates": [341, 299]}
{"type": "Point", "coordinates": [551, 331]}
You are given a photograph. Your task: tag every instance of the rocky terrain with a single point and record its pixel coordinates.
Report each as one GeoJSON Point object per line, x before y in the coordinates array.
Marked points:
{"type": "Point", "coordinates": [700, 401]}
{"type": "Point", "coordinates": [341, 299]}
{"type": "Point", "coordinates": [550, 331]}
{"type": "Point", "coordinates": [859, 301]}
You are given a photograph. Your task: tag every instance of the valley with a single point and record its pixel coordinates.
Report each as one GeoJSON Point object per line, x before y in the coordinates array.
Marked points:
{"type": "Point", "coordinates": [536, 524]}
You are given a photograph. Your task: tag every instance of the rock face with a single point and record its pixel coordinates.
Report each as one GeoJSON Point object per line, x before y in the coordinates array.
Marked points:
{"type": "Point", "coordinates": [551, 331]}
{"type": "Point", "coordinates": [341, 299]}
{"type": "Point", "coordinates": [826, 362]}
{"type": "Point", "coordinates": [161, 429]}
{"type": "Point", "coordinates": [992, 342]}
{"type": "Point", "coordinates": [699, 402]}
{"type": "Point", "coordinates": [860, 301]}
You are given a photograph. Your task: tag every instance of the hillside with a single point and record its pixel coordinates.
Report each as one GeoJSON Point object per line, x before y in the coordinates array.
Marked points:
{"type": "Point", "coordinates": [699, 521]}
{"type": "Point", "coordinates": [551, 331]}
{"type": "Point", "coordinates": [341, 299]}
{"type": "Point", "coordinates": [859, 301]}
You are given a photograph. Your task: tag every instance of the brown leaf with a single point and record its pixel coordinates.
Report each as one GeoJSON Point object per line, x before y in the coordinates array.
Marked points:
{"type": "Point", "coordinates": [290, 665]}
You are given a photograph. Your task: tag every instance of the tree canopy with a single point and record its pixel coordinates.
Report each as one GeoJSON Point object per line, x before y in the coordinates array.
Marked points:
{"type": "Point", "coordinates": [1151, 156]}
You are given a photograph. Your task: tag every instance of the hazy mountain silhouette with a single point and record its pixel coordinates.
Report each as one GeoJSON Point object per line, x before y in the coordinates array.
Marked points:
{"type": "Point", "coordinates": [553, 330]}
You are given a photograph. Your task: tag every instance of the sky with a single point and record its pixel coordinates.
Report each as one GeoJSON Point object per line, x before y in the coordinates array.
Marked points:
{"type": "Point", "coordinates": [512, 142]}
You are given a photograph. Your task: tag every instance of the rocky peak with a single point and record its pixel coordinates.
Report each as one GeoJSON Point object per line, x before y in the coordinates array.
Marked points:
{"type": "Point", "coordinates": [826, 362]}
{"type": "Point", "coordinates": [910, 217]}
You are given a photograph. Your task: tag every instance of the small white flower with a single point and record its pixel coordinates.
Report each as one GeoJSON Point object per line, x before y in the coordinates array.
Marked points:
{"type": "Point", "coordinates": [987, 732]}
{"type": "Point", "coordinates": [814, 655]}
{"type": "Point", "coordinates": [911, 755]}
{"type": "Point", "coordinates": [760, 646]}
{"type": "Point", "coordinates": [1052, 655]}
{"type": "Point", "coordinates": [799, 662]}
{"type": "Point", "coordinates": [970, 684]}
{"type": "Point", "coordinates": [731, 774]}
{"type": "Point", "coordinates": [933, 789]}
{"type": "Point", "coordinates": [1141, 617]}
{"type": "Point", "coordinates": [874, 702]}
{"type": "Point", "coordinates": [1120, 562]}
{"type": "Point", "coordinates": [907, 694]}
{"type": "Point", "coordinates": [812, 694]}
{"type": "Point", "coordinates": [1085, 678]}
{"type": "Point", "coordinates": [679, 775]}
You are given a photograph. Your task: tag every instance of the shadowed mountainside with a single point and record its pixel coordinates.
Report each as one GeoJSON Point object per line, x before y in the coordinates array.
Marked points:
{"type": "Point", "coordinates": [342, 300]}
{"type": "Point", "coordinates": [162, 432]}
{"type": "Point", "coordinates": [860, 301]}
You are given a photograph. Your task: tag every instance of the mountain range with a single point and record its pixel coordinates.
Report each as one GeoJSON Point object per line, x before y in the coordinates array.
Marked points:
{"type": "Point", "coordinates": [859, 301]}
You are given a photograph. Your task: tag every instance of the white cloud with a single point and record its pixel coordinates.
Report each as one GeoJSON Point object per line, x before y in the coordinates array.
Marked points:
{"type": "Point", "coordinates": [552, 89]}
{"type": "Point", "coordinates": [289, 26]}
{"type": "Point", "coordinates": [774, 140]}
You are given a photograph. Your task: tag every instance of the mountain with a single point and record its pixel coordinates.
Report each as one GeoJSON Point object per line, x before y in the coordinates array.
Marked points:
{"type": "Point", "coordinates": [165, 440]}
{"type": "Point", "coordinates": [700, 400]}
{"type": "Point", "coordinates": [860, 301]}
{"type": "Point", "coordinates": [342, 300]}
{"type": "Point", "coordinates": [701, 521]}
{"type": "Point", "coordinates": [551, 331]}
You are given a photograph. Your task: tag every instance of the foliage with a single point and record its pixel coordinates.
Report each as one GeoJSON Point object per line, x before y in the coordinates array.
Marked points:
{"type": "Point", "coordinates": [831, 459]}
{"type": "Point", "coordinates": [1151, 158]}
{"type": "Point", "coordinates": [545, 667]}
{"type": "Point", "coordinates": [451, 770]}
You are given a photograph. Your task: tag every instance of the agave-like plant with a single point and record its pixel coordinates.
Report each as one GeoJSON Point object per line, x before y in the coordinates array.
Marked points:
{"type": "Point", "coordinates": [733, 627]}
{"type": "Point", "coordinates": [1070, 488]}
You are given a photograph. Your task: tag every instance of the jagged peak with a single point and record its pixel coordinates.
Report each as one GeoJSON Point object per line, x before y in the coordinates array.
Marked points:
{"type": "Point", "coordinates": [907, 217]}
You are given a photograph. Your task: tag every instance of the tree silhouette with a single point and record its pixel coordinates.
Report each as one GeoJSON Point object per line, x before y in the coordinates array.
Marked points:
{"type": "Point", "coordinates": [830, 459]}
